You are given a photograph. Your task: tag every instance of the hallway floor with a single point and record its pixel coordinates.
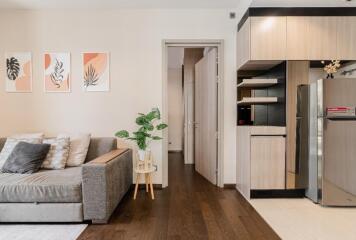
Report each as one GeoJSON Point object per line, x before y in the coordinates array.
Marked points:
{"type": "Point", "coordinates": [190, 208]}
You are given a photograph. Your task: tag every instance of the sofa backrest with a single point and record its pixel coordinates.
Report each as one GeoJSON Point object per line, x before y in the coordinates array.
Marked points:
{"type": "Point", "coordinates": [100, 146]}
{"type": "Point", "coordinates": [2, 143]}
{"type": "Point", "coordinates": [97, 147]}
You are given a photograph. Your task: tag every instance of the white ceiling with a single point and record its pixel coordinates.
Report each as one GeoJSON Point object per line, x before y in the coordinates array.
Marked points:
{"type": "Point", "coordinates": [117, 4]}
{"type": "Point", "coordinates": [110, 4]}
{"type": "Point", "coordinates": [303, 3]}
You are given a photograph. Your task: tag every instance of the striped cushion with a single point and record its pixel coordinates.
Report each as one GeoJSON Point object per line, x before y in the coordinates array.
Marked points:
{"type": "Point", "coordinates": [58, 154]}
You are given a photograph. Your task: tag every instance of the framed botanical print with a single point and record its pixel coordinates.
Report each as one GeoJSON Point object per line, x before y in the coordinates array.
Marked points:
{"type": "Point", "coordinates": [18, 72]}
{"type": "Point", "coordinates": [96, 77]}
{"type": "Point", "coordinates": [57, 72]}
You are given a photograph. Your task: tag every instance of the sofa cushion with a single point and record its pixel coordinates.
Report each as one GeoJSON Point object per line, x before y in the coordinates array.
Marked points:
{"type": "Point", "coordinates": [51, 186]}
{"type": "Point", "coordinates": [26, 158]}
{"type": "Point", "coordinates": [2, 143]}
{"type": "Point", "coordinates": [79, 144]}
{"type": "Point", "coordinates": [58, 154]}
{"type": "Point", "coordinates": [11, 143]}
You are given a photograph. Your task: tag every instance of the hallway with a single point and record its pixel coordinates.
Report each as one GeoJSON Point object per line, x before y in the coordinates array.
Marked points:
{"type": "Point", "coordinates": [190, 208]}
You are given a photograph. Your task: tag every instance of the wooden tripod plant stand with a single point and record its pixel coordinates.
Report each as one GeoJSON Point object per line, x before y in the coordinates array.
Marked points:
{"type": "Point", "coordinates": [145, 168]}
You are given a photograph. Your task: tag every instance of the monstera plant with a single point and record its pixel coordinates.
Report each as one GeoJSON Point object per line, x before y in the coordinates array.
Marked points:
{"type": "Point", "coordinates": [147, 128]}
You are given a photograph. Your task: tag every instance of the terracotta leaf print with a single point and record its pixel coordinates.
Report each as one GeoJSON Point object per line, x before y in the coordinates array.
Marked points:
{"type": "Point", "coordinates": [57, 72]}
{"type": "Point", "coordinates": [96, 71]}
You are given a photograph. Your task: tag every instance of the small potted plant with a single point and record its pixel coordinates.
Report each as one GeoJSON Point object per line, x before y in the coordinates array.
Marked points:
{"type": "Point", "coordinates": [147, 127]}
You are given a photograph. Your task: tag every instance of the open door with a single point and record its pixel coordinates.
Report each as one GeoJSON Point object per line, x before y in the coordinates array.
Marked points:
{"type": "Point", "coordinates": [191, 57]}
{"type": "Point", "coordinates": [206, 123]}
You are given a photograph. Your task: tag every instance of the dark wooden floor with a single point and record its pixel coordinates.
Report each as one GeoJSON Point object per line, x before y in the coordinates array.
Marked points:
{"type": "Point", "coordinates": [190, 208]}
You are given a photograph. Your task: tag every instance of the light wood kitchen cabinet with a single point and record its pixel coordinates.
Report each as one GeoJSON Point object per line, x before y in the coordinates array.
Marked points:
{"type": "Point", "coordinates": [346, 38]}
{"type": "Point", "coordinates": [322, 38]}
{"type": "Point", "coordinates": [297, 38]}
{"type": "Point", "coordinates": [261, 39]}
{"type": "Point", "coordinates": [268, 38]}
{"type": "Point", "coordinates": [260, 158]}
{"type": "Point", "coordinates": [263, 42]}
{"type": "Point", "coordinates": [297, 74]}
{"type": "Point", "coordinates": [267, 162]}
{"type": "Point", "coordinates": [243, 44]}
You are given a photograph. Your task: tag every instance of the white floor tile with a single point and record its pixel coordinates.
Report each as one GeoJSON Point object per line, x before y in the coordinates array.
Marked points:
{"type": "Point", "coordinates": [301, 219]}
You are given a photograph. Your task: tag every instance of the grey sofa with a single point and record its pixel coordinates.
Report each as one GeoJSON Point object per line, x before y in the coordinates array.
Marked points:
{"type": "Point", "coordinates": [74, 194]}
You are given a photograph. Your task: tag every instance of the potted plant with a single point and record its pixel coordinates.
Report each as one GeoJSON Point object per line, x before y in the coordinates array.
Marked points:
{"type": "Point", "coordinates": [147, 127]}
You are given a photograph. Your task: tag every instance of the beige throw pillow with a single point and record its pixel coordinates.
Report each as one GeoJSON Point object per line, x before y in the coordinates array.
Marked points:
{"type": "Point", "coordinates": [10, 145]}
{"type": "Point", "coordinates": [58, 153]}
{"type": "Point", "coordinates": [79, 145]}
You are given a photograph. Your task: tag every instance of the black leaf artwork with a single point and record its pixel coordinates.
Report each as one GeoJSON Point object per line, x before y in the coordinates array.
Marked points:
{"type": "Point", "coordinates": [12, 68]}
{"type": "Point", "coordinates": [91, 78]}
{"type": "Point", "coordinates": [57, 74]}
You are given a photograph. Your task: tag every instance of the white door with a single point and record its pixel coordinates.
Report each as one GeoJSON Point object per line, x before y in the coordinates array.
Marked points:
{"type": "Point", "coordinates": [191, 57]}
{"type": "Point", "coordinates": [206, 124]}
{"type": "Point", "coordinates": [189, 122]}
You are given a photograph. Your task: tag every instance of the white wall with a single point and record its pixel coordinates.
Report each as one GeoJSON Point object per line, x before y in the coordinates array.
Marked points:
{"type": "Point", "coordinates": [350, 68]}
{"type": "Point", "coordinates": [319, 73]}
{"type": "Point", "coordinates": [315, 74]}
{"type": "Point", "coordinates": [175, 99]}
{"type": "Point", "coordinates": [175, 110]}
{"type": "Point", "coordinates": [134, 40]}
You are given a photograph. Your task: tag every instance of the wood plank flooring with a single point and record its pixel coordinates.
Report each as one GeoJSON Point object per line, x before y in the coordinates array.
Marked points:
{"type": "Point", "coordinates": [190, 208]}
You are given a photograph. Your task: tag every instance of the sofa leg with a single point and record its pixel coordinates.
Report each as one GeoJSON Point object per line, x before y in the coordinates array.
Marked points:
{"type": "Point", "coordinates": [99, 221]}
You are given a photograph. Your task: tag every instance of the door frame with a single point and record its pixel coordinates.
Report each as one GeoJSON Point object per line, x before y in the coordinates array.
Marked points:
{"type": "Point", "coordinates": [196, 43]}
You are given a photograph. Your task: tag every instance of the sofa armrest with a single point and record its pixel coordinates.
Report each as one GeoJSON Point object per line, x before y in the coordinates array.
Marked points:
{"type": "Point", "coordinates": [109, 156]}
{"type": "Point", "coordinates": [106, 180]}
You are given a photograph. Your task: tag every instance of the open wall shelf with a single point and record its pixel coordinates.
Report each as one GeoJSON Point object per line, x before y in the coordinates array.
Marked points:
{"type": "Point", "coordinates": [257, 83]}
{"type": "Point", "coordinates": [261, 97]}
{"type": "Point", "coordinates": [246, 101]}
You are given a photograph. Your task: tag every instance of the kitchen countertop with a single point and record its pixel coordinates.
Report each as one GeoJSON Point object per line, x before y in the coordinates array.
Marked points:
{"type": "Point", "coordinates": [264, 130]}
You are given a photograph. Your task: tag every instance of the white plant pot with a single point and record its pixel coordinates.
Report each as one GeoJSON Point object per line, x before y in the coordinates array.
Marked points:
{"type": "Point", "coordinates": [142, 154]}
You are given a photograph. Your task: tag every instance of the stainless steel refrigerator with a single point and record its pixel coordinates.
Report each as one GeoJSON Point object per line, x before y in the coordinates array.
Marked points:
{"type": "Point", "coordinates": [326, 137]}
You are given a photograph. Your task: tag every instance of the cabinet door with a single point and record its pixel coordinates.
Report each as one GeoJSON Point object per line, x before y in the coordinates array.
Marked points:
{"type": "Point", "coordinates": [243, 44]}
{"type": "Point", "coordinates": [346, 38]}
{"type": "Point", "coordinates": [267, 162]}
{"type": "Point", "coordinates": [297, 38]}
{"type": "Point", "coordinates": [268, 38]}
{"type": "Point", "coordinates": [322, 38]}
{"type": "Point", "coordinates": [297, 74]}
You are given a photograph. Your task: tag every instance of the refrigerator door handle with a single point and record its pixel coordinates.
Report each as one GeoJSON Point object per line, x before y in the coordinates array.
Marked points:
{"type": "Point", "coordinates": [298, 146]}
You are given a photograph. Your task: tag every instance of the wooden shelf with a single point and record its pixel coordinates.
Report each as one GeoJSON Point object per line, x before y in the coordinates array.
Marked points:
{"type": "Point", "coordinates": [259, 65]}
{"type": "Point", "coordinates": [257, 101]}
{"type": "Point", "coordinates": [257, 83]}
